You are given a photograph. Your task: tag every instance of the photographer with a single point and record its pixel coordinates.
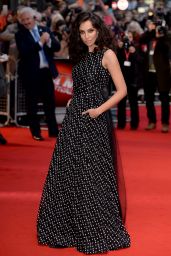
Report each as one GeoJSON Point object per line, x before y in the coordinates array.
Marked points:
{"type": "Point", "coordinates": [163, 73]}
{"type": "Point", "coordinates": [61, 33]}
{"type": "Point", "coordinates": [147, 46]}
{"type": "Point", "coordinates": [155, 50]}
{"type": "Point", "coordinates": [128, 59]}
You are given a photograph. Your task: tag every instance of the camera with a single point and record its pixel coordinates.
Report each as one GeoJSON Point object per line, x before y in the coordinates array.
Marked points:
{"type": "Point", "coordinates": [126, 43]}
{"type": "Point", "coordinates": [66, 29]}
{"type": "Point", "coordinates": [61, 27]}
{"type": "Point", "coordinates": [161, 30]}
{"type": "Point", "coordinates": [161, 27]}
{"type": "Point", "coordinates": [160, 22]}
{"type": "Point", "coordinates": [43, 19]}
{"type": "Point", "coordinates": [160, 12]}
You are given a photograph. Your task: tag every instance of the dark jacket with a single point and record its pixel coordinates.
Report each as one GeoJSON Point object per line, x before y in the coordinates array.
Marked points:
{"type": "Point", "coordinates": [161, 63]}
{"type": "Point", "coordinates": [29, 60]}
{"type": "Point", "coordinates": [130, 73]}
{"type": "Point", "coordinates": [145, 41]}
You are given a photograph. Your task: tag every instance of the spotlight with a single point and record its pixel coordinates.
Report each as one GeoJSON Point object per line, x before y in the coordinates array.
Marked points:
{"type": "Point", "coordinates": [122, 5]}
{"type": "Point", "coordinates": [114, 5]}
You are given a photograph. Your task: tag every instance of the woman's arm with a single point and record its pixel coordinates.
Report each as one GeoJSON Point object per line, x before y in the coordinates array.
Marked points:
{"type": "Point", "coordinates": [110, 62]}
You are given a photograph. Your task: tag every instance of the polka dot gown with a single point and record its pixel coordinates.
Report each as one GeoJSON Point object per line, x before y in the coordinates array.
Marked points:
{"type": "Point", "coordinates": [79, 205]}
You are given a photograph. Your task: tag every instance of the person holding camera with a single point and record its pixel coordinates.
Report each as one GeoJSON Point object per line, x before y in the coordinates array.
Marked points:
{"type": "Point", "coordinates": [163, 72]}
{"type": "Point", "coordinates": [147, 46]}
{"type": "Point", "coordinates": [155, 49]}
{"type": "Point", "coordinates": [61, 33]}
{"type": "Point", "coordinates": [128, 59]}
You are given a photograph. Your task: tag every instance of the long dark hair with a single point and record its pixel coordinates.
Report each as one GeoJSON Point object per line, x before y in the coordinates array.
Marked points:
{"type": "Point", "coordinates": [77, 49]}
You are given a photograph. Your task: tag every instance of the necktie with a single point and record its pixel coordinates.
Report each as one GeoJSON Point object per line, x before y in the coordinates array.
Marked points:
{"type": "Point", "coordinates": [36, 34]}
{"type": "Point", "coordinates": [36, 38]}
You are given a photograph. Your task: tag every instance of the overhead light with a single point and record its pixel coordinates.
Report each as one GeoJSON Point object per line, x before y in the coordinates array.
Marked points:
{"type": "Point", "coordinates": [114, 5]}
{"type": "Point", "coordinates": [122, 5]}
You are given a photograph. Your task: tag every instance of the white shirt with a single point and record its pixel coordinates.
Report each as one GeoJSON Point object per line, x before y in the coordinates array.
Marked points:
{"type": "Point", "coordinates": [43, 60]}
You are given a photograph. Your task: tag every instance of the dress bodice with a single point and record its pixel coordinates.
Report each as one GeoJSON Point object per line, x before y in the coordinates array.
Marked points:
{"type": "Point", "coordinates": [89, 76]}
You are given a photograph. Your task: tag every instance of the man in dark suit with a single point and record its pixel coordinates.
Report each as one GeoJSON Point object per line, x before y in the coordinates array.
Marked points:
{"type": "Point", "coordinates": [36, 46]}
{"type": "Point", "coordinates": [161, 60]}
{"type": "Point", "coordinates": [147, 46]}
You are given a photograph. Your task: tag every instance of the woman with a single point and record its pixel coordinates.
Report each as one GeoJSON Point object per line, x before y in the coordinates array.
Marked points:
{"type": "Point", "coordinates": [80, 205]}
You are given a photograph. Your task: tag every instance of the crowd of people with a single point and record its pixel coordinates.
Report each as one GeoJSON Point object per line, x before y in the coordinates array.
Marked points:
{"type": "Point", "coordinates": [142, 45]}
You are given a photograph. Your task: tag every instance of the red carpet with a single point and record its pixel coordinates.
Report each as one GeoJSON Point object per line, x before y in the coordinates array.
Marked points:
{"type": "Point", "coordinates": [146, 159]}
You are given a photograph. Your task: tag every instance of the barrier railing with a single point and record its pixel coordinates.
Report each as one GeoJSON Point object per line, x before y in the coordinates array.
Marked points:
{"type": "Point", "coordinates": [4, 91]}
{"type": "Point", "coordinates": [63, 91]}
{"type": "Point", "coordinates": [63, 86]}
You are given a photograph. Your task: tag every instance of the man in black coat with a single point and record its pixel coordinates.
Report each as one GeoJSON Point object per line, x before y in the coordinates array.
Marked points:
{"type": "Point", "coordinates": [129, 60]}
{"type": "Point", "coordinates": [147, 45]}
{"type": "Point", "coordinates": [36, 46]}
{"type": "Point", "coordinates": [162, 65]}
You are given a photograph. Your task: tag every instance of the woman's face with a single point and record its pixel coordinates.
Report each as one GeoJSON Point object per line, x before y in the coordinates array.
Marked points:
{"type": "Point", "coordinates": [88, 34]}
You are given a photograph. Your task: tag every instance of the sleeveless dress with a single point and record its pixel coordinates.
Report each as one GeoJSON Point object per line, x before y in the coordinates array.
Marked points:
{"type": "Point", "coordinates": [80, 204]}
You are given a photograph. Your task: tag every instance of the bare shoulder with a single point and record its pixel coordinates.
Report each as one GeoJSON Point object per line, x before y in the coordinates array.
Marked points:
{"type": "Point", "coordinates": [109, 58]}
{"type": "Point", "coordinates": [109, 53]}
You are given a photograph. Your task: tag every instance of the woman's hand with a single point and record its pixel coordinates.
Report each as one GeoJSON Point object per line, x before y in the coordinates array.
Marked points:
{"type": "Point", "coordinates": [69, 101]}
{"type": "Point", "coordinates": [92, 112]}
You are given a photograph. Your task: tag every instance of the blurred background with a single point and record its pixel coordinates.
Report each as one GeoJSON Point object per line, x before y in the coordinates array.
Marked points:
{"type": "Point", "coordinates": [131, 23]}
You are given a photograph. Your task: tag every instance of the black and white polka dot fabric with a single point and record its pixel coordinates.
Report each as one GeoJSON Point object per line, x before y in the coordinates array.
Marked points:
{"type": "Point", "coordinates": [80, 206]}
